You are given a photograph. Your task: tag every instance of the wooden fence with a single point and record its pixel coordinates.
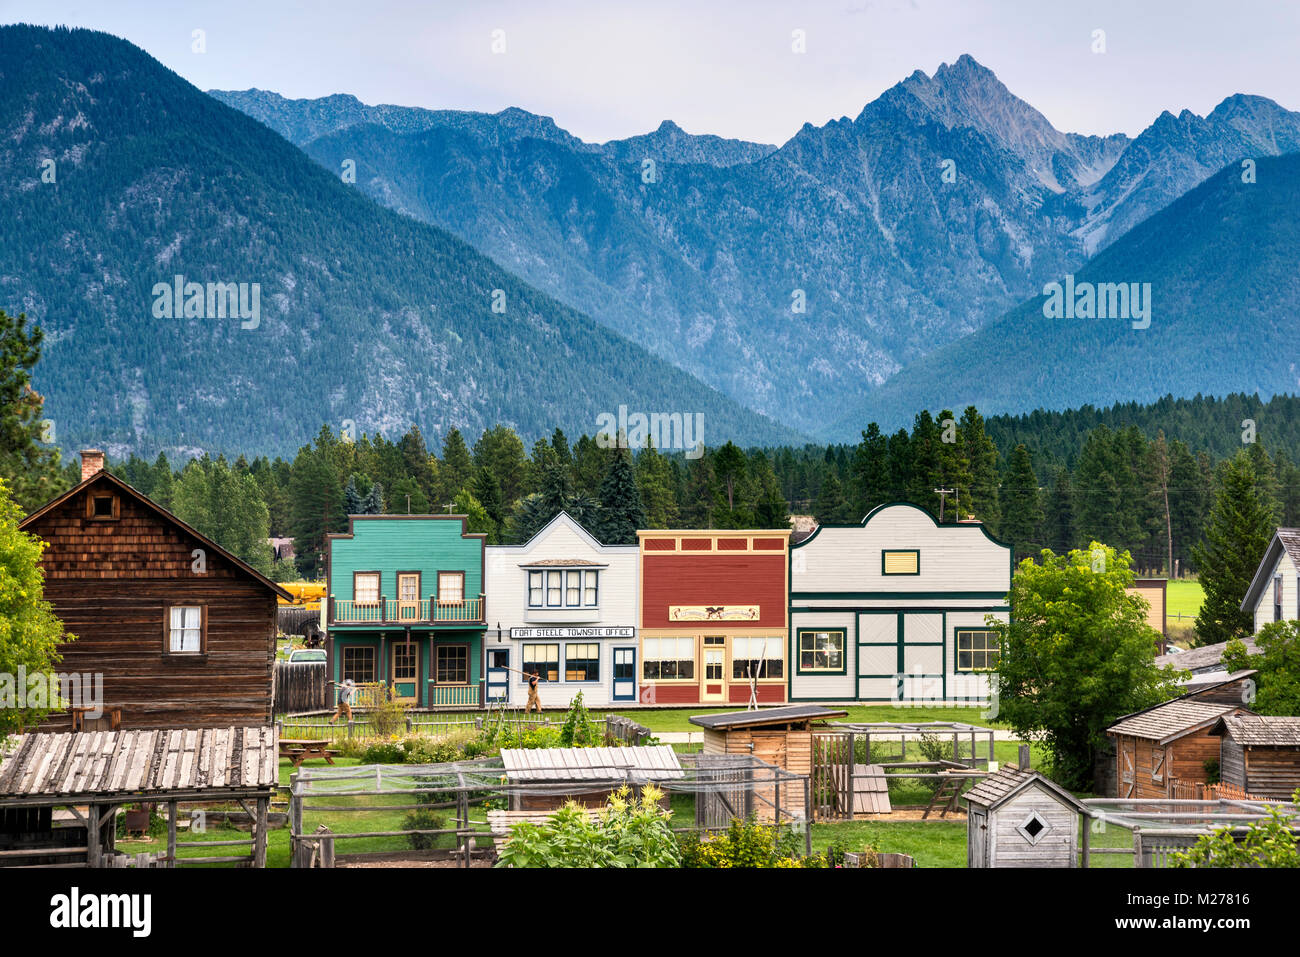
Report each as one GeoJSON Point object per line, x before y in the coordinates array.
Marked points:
{"type": "Point", "coordinates": [302, 686]}
{"type": "Point", "coordinates": [1198, 791]}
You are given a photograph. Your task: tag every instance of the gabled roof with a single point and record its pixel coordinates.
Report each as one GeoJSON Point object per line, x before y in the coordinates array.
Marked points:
{"type": "Point", "coordinates": [765, 716]}
{"type": "Point", "coordinates": [564, 518]}
{"type": "Point", "coordinates": [1170, 720]}
{"type": "Point", "coordinates": [1260, 730]}
{"type": "Point", "coordinates": [104, 476]}
{"type": "Point", "coordinates": [1204, 658]}
{"type": "Point", "coordinates": [1283, 540]}
{"type": "Point", "coordinates": [1001, 786]}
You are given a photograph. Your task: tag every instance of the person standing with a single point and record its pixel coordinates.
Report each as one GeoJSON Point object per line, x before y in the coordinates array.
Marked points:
{"type": "Point", "coordinates": [534, 703]}
{"type": "Point", "coordinates": [346, 690]}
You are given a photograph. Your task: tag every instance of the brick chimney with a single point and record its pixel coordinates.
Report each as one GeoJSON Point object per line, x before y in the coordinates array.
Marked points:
{"type": "Point", "coordinates": [92, 461]}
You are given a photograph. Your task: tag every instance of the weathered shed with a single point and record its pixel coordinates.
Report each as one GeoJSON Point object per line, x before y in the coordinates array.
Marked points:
{"type": "Point", "coordinates": [1260, 753]}
{"type": "Point", "coordinates": [586, 775]}
{"type": "Point", "coordinates": [1168, 742]}
{"type": "Point", "coordinates": [93, 773]}
{"type": "Point", "coordinates": [1018, 818]}
{"type": "Point", "coordinates": [782, 737]}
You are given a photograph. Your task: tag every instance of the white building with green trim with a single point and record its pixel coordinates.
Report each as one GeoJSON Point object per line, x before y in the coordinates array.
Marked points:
{"type": "Point", "coordinates": [894, 609]}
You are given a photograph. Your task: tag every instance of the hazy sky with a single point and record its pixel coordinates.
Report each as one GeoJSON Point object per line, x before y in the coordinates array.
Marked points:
{"type": "Point", "coordinates": [612, 69]}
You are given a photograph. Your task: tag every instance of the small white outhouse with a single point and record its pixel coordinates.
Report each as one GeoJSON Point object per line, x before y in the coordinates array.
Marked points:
{"type": "Point", "coordinates": [1018, 818]}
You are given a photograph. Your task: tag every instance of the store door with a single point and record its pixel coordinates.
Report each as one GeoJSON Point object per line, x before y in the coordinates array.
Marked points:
{"type": "Point", "coordinates": [714, 687]}
{"type": "Point", "coordinates": [404, 670]}
{"type": "Point", "coordinates": [498, 675]}
{"type": "Point", "coordinates": [624, 688]}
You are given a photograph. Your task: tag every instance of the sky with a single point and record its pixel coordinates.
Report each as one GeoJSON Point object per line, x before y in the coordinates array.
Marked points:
{"type": "Point", "coordinates": [607, 70]}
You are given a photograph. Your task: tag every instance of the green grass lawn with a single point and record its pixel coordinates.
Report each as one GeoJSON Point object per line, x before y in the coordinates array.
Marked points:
{"type": "Point", "coordinates": [1184, 597]}
{"type": "Point", "coordinates": [931, 843]}
{"type": "Point", "coordinates": [678, 719]}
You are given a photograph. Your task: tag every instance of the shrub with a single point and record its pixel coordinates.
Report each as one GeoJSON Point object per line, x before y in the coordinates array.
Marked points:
{"type": "Point", "coordinates": [1266, 843]}
{"type": "Point", "coordinates": [388, 717]}
{"type": "Point", "coordinates": [744, 844]}
{"type": "Point", "coordinates": [384, 752]}
{"type": "Point", "coordinates": [1212, 773]}
{"type": "Point", "coordinates": [628, 833]}
{"type": "Point", "coordinates": [427, 820]}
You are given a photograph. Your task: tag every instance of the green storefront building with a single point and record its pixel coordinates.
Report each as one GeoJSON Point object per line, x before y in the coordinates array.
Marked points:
{"type": "Point", "coordinates": [406, 608]}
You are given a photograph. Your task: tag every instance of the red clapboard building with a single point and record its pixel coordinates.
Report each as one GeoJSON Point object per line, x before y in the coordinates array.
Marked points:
{"type": "Point", "coordinates": [713, 606]}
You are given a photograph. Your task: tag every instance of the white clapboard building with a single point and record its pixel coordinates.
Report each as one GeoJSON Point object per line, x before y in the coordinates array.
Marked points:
{"type": "Point", "coordinates": [564, 606]}
{"type": "Point", "coordinates": [1274, 593]}
{"type": "Point", "coordinates": [894, 608]}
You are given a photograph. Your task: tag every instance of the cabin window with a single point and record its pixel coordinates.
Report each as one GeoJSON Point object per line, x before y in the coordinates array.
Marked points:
{"type": "Point", "coordinates": [365, 588]}
{"type": "Point", "coordinates": [900, 561]}
{"type": "Point", "coordinates": [185, 629]}
{"type": "Point", "coordinates": [101, 507]}
{"type": "Point", "coordinates": [573, 589]}
{"type": "Point", "coordinates": [359, 663]}
{"type": "Point", "coordinates": [554, 589]}
{"type": "Point", "coordinates": [757, 658]}
{"type": "Point", "coordinates": [977, 649]}
{"type": "Point", "coordinates": [821, 651]}
{"type": "Point", "coordinates": [667, 659]}
{"type": "Point", "coordinates": [1277, 598]}
{"type": "Point", "coordinates": [542, 660]}
{"type": "Point", "coordinates": [451, 664]}
{"type": "Point", "coordinates": [408, 587]}
{"type": "Point", "coordinates": [582, 662]}
{"type": "Point", "coordinates": [590, 588]}
{"type": "Point", "coordinates": [451, 588]}
{"type": "Point", "coordinates": [534, 589]}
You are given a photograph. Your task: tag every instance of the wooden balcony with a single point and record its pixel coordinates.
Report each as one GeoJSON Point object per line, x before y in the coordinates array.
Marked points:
{"type": "Point", "coordinates": [391, 611]}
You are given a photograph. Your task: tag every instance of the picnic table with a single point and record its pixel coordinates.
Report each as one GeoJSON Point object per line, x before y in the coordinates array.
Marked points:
{"type": "Point", "coordinates": [299, 750]}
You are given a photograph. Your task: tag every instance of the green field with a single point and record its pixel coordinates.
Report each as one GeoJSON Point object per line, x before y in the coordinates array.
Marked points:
{"type": "Point", "coordinates": [1185, 596]}
{"type": "Point", "coordinates": [678, 719]}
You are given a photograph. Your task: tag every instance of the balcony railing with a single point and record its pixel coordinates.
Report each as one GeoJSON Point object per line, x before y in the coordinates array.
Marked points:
{"type": "Point", "coordinates": [392, 611]}
{"type": "Point", "coordinates": [453, 696]}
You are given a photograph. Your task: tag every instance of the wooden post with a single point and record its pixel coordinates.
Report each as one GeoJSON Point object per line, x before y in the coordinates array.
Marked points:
{"type": "Point", "coordinates": [1024, 757]}
{"type": "Point", "coordinates": [807, 817]}
{"type": "Point", "coordinates": [295, 822]}
{"type": "Point", "coordinates": [1085, 849]}
{"type": "Point", "coordinates": [171, 833]}
{"type": "Point", "coordinates": [259, 836]}
{"type": "Point", "coordinates": [92, 836]}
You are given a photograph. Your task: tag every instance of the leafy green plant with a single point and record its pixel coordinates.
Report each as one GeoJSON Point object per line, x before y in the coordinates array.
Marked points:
{"type": "Point", "coordinates": [744, 844]}
{"type": "Point", "coordinates": [424, 819]}
{"type": "Point", "coordinates": [629, 832]}
{"type": "Point", "coordinates": [388, 717]}
{"type": "Point", "coordinates": [579, 729]}
{"type": "Point", "coordinates": [1213, 775]}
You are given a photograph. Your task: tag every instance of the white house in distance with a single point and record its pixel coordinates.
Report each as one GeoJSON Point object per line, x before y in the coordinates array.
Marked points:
{"type": "Point", "coordinates": [565, 606]}
{"type": "Point", "coordinates": [1273, 594]}
{"type": "Point", "coordinates": [894, 609]}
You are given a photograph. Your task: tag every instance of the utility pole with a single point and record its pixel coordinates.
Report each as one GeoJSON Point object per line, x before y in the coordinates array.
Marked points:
{"type": "Point", "coordinates": [943, 494]}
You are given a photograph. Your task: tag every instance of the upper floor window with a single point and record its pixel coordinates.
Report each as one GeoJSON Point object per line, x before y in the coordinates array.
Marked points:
{"type": "Point", "coordinates": [365, 588]}
{"type": "Point", "coordinates": [451, 588]}
{"type": "Point", "coordinates": [900, 561]}
{"type": "Point", "coordinates": [1277, 598]}
{"type": "Point", "coordinates": [563, 588]}
{"type": "Point", "coordinates": [102, 507]}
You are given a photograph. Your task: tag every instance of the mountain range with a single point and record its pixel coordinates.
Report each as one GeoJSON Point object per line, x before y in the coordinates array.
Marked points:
{"type": "Point", "coordinates": [117, 176]}
{"type": "Point", "coordinates": [799, 280]}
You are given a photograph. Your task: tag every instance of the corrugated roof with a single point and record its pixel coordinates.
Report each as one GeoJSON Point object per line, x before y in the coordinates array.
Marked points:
{"type": "Point", "coordinates": [749, 719]}
{"type": "Point", "coordinates": [1170, 720]}
{"type": "Point", "coordinates": [651, 762]}
{"type": "Point", "coordinates": [1260, 730]}
{"type": "Point", "coordinates": [99, 763]}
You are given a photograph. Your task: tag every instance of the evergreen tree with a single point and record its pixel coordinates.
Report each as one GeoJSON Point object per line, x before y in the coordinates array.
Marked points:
{"type": "Point", "coordinates": [697, 495]}
{"type": "Point", "coordinates": [352, 498]}
{"type": "Point", "coordinates": [982, 456]}
{"type": "Point", "coordinates": [373, 504]}
{"type": "Point", "coordinates": [654, 477]}
{"type": "Point", "coordinates": [771, 510]}
{"type": "Point", "coordinates": [30, 467]}
{"type": "Point", "coordinates": [477, 520]}
{"type": "Point", "coordinates": [832, 507]}
{"type": "Point", "coordinates": [1058, 529]}
{"type": "Point", "coordinates": [1240, 526]}
{"type": "Point", "coordinates": [1019, 505]}
{"type": "Point", "coordinates": [589, 462]}
{"type": "Point", "coordinates": [621, 509]}
{"type": "Point", "coordinates": [869, 485]}
{"type": "Point", "coordinates": [457, 469]}
{"type": "Point", "coordinates": [1187, 503]}
{"type": "Point", "coordinates": [316, 508]}
{"type": "Point", "coordinates": [227, 508]}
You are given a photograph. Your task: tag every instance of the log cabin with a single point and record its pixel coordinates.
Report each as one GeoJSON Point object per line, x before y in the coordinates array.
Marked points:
{"type": "Point", "coordinates": [1168, 744]}
{"type": "Point", "coordinates": [182, 631]}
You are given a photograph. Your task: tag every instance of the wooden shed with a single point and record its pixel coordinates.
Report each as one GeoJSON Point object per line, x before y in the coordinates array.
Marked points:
{"type": "Point", "coordinates": [1167, 743]}
{"type": "Point", "coordinates": [1018, 818]}
{"type": "Point", "coordinates": [91, 774]}
{"type": "Point", "coordinates": [782, 737]}
{"type": "Point", "coordinates": [1259, 754]}
{"type": "Point", "coordinates": [540, 779]}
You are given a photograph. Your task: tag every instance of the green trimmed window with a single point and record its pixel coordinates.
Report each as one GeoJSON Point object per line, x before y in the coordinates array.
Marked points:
{"type": "Point", "coordinates": [977, 649]}
{"type": "Point", "coordinates": [821, 651]}
{"type": "Point", "coordinates": [900, 561]}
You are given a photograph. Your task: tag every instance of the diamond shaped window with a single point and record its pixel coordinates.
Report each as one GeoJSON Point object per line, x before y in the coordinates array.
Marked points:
{"type": "Point", "coordinates": [1034, 827]}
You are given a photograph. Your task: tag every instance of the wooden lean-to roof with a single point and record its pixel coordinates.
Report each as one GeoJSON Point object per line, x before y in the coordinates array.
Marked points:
{"type": "Point", "coordinates": [86, 766]}
{"type": "Point", "coordinates": [792, 714]}
{"type": "Point", "coordinates": [1260, 730]}
{"type": "Point", "coordinates": [648, 762]}
{"type": "Point", "coordinates": [104, 477]}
